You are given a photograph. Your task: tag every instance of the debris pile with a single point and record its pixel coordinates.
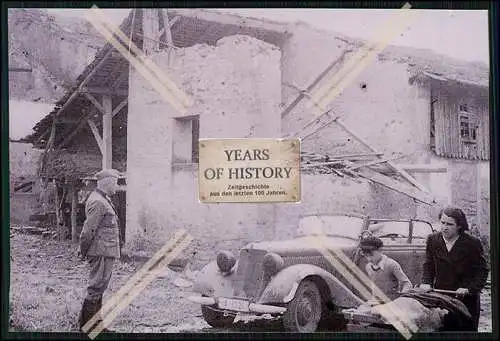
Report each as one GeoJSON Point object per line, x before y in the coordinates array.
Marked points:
{"type": "Point", "coordinates": [374, 167]}
{"type": "Point", "coordinates": [347, 165]}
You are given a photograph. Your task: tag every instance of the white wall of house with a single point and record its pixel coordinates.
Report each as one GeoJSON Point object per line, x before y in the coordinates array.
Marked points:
{"type": "Point", "coordinates": [236, 91]}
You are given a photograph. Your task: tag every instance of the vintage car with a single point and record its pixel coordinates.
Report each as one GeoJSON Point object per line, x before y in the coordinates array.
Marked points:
{"type": "Point", "coordinates": [294, 280]}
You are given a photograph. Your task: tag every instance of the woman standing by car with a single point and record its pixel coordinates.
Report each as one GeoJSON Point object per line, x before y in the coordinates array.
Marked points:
{"type": "Point", "coordinates": [455, 260]}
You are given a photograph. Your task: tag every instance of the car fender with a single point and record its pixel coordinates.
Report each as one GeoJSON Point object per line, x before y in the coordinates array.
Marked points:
{"type": "Point", "coordinates": [213, 282]}
{"type": "Point", "coordinates": [282, 287]}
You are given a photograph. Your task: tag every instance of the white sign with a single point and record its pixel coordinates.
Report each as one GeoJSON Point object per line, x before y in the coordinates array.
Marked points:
{"type": "Point", "coordinates": [249, 170]}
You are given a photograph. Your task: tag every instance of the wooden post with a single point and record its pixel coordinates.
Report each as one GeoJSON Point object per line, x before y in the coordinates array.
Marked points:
{"type": "Point", "coordinates": [150, 29]}
{"type": "Point", "coordinates": [74, 202]}
{"type": "Point", "coordinates": [56, 208]}
{"type": "Point", "coordinates": [107, 155]}
{"type": "Point", "coordinates": [59, 217]}
{"type": "Point", "coordinates": [168, 34]}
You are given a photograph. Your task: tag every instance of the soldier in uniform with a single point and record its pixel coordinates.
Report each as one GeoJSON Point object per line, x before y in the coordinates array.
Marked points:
{"type": "Point", "coordinates": [99, 241]}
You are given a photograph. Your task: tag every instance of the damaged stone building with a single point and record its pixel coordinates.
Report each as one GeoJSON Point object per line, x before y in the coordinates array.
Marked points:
{"type": "Point", "coordinates": [251, 78]}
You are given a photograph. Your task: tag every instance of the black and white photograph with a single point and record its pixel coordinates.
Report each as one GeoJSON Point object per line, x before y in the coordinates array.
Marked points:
{"type": "Point", "coordinates": [229, 170]}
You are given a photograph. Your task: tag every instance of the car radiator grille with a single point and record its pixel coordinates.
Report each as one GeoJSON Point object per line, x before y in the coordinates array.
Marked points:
{"type": "Point", "coordinates": [250, 274]}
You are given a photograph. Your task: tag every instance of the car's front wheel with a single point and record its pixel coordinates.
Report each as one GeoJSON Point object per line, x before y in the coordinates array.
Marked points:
{"type": "Point", "coordinates": [304, 311]}
{"type": "Point", "coordinates": [216, 318]}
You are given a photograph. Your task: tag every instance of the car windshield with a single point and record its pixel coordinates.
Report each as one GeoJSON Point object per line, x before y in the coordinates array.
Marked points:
{"type": "Point", "coordinates": [383, 229]}
{"type": "Point", "coordinates": [337, 225]}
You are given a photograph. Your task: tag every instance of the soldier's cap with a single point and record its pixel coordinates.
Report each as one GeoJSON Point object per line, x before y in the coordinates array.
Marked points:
{"type": "Point", "coordinates": [371, 243]}
{"type": "Point", "coordinates": [107, 173]}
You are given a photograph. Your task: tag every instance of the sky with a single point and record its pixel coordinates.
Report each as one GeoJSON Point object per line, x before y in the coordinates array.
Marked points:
{"type": "Point", "coordinates": [460, 34]}
{"type": "Point", "coordinates": [23, 115]}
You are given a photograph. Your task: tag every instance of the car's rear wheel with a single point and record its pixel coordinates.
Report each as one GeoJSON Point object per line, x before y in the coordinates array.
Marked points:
{"type": "Point", "coordinates": [216, 318]}
{"type": "Point", "coordinates": [304, 311]}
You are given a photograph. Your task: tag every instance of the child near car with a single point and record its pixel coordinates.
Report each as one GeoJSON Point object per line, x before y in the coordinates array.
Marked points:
{"type": "Point", "coordinates": [384, 272]}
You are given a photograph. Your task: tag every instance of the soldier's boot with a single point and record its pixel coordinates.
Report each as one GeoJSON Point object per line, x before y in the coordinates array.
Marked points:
{"type": "Point", "coordinates": [99, 306]}
{"type": "Point", "coordinates": [88, 310]}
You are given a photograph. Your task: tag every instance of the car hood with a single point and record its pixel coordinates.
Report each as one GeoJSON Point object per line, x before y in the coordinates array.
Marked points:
{"type": "Point", "coordinates": [303, 244]}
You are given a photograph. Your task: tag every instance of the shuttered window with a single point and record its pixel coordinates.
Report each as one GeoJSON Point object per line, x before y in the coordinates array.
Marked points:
{"type": "Point", "coordinates": [468, 127]}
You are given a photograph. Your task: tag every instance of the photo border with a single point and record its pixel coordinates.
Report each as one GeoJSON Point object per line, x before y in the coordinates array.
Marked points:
{"type": "Point", "coordinates": [491, 6]}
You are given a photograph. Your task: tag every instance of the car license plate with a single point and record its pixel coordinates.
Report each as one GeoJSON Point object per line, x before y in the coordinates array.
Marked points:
{"type": "Point", "coordinates": [232, 304]}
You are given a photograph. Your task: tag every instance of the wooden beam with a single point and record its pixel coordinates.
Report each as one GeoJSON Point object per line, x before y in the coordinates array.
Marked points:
{"type": "Point", "coordinates": [166, 28]}
{"type": "Point", "coordinates": [345, 156]}
{"type": "Point", "coordinates": [320, 164]}
{"type": "Point", "coordinates": [403, 173]}
{"type": "Point", "coordinates": [107, 155]}
{"type": "Point", "coordinates": [375, 162]}
{"type": "Point", "coordinates": [85, 81]}
{"type": "Point", "coordinates": [95, 102]}
{"type": "Point", "coordinates": [58, 212]}
{"type": "Point", "coordinates": [395, 185]}
{"type": "Point", "coordinates": [150, 29]}
{"type": "Point", "coordinates": [424, 168]}
{"type": "Point", "coordinates": [104, 91]}
{"type": "Point", "coordinates": [96, 134]}
{"type": "Point", "coordinates": [327, 123]}
{"type": "Point", "coordinates": [119, 107]}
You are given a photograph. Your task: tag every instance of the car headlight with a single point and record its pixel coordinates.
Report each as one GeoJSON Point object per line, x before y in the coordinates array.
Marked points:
{"type": "Point", "coordinates": [225, 261]}
{"type": "Point", "coordinates": [273, 263]}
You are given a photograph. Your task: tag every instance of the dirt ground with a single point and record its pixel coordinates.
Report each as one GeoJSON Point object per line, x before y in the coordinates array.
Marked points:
{"type": "Point", "coordinates": [48, 285]}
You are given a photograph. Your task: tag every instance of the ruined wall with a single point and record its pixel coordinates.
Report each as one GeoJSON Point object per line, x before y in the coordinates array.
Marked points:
{"type": "Point", "coordinates": [57, 52]}
{"type": "Point", "coordinates": [236, 91]}
{"type": "Point", "coordinates": [379, 106]}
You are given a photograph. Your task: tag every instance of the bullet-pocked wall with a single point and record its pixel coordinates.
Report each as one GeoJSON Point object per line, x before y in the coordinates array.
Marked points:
{"type": "Point", "coordinates": [236, 90]}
